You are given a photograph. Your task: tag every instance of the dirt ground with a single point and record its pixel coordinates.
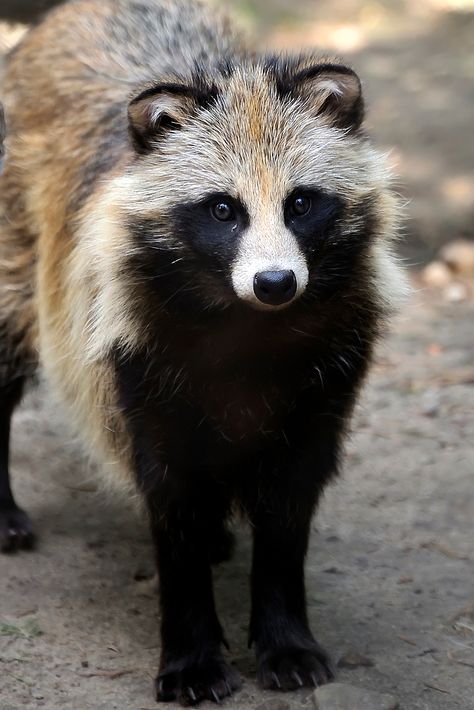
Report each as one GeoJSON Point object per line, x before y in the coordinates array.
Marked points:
{"type": "Point", "coordinates": [390, 568]}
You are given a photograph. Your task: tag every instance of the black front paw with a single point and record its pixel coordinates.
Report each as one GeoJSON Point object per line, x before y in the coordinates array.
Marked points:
{"type": "Point", "coordinates": [292, 667]}
{"type": "Point", "coordinates": [192, 679]}
{"type": "Point", "coordinates": [15, 529]}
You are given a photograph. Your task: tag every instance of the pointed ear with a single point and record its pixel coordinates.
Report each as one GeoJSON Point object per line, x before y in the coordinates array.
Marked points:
{"type": "Point", "coordinates": [334, 91]}
{"type": "Point", "coordinates": [158, 110]}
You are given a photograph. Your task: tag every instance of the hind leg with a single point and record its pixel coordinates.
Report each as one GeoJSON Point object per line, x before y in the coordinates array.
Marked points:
{"type": "Point", "coordinates": [18, 358]}
{"type": "Point", "coordinates": [17, 363]}
{"type": "Point", "coordinates": [15, 527]}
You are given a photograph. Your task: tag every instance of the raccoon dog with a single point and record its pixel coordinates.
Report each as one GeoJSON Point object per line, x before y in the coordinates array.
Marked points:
{"type": "Point", "coordinates": [195, 249]}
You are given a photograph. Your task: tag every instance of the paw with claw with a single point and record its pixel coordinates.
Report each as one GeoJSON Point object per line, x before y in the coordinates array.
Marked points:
{"type": "Point", "coordinates": [292, 667]}
{"type": "Point", "coordinates": [189, 681]}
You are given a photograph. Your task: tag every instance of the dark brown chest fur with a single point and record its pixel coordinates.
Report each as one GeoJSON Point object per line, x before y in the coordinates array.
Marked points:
{"type": "Point", "coordinates": [213, 394]}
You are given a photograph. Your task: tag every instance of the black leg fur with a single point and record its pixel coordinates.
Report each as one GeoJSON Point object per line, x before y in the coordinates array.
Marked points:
{"type": "Point", "coordinates": [288, 655]}
{"type": "Point", "coordinates": [187, 512]}
{"type": "Point", "coordinates": [192, 665]}
{"type": "Point", "coordinates": [15, 527]}
{"type": "Point", "coordinates": [190, 474]}
{"type": "Point", "coordinates": [280, 511]}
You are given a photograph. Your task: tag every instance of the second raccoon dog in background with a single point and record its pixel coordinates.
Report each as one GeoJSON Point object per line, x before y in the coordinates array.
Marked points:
{"type": "Point", "coordinates": [195, 248]}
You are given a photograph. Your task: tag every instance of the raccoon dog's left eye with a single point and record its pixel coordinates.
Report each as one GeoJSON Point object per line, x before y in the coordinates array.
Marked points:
{"type": "Point", "coordinates": [300, 205]}
{"type": "Point", "coordinates": [223, 211]}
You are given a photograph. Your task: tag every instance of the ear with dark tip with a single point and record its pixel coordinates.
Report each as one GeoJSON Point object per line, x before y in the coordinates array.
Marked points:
{"type": "Point", "coordinates": [334, 91]}
{"type": "Point", "coordinates": [156, 111]}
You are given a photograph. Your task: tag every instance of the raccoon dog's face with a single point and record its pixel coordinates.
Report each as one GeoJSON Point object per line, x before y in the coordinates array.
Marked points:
{"type": "Point", "coordinates": [256, 186]}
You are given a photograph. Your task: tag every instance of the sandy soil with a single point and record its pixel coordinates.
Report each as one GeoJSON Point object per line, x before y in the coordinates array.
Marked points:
{"type": "Point", "coordinates": [390, 568]}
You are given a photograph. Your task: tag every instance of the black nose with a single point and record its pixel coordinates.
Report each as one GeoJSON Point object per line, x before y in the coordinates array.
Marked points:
{"type": "Point", "coordinates": [274, 287]}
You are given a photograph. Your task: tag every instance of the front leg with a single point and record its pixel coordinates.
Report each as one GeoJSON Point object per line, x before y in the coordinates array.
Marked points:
{"type": "Point", "coordinates": [288, 655]}
{"type": "Point", "coordinates": [192, 665]}
{"type": "Point", "coordinates": [187, 512]}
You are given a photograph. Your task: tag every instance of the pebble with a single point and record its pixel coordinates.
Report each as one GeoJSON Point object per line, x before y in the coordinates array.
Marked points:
{"type": "Point", "coordinates": [456, 292]}
{"type": "Point", "coordinates": [459, 256]}
{"type": "Point", "coordinates": [430, 403]}
{"type": "Point", "coordinates": [436, 274]}
{"type": "Point", "coordinates": [341, 696]}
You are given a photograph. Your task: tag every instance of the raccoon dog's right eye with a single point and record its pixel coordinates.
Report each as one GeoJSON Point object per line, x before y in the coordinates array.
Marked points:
{"type": "Point", "coordinates": [223, 211]}
{"type": "Point", "coordinates": [300, 205]}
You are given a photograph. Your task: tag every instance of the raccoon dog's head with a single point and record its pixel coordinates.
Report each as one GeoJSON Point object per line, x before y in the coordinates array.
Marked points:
{"type": "Point", "coordinates": [254, 185]}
